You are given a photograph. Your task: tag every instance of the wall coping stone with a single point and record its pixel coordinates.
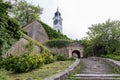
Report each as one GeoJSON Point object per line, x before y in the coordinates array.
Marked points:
{"type": "Point", "coordinates": [64, 74]}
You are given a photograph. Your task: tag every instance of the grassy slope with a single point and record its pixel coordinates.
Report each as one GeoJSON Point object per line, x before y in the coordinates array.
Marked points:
{"type": "Point", "coordinates": [39, 74]}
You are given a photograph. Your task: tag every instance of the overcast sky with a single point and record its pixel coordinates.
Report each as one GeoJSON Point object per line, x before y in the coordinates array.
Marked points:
{"type": "Point", "coordinates": [78, 15]}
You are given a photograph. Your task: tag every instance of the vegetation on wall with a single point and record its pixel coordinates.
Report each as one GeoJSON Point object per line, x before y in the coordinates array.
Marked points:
{"type": "Point", "coordinates": [59, 43]}
{"type": "Point", "coordinates": [30, 47]}
{"type": "Point", "coordinates": [10, 29]}
{"type": "Point", "coordinates": [43, 48]}
{"type": "Point", "coordinates": [53, 34]}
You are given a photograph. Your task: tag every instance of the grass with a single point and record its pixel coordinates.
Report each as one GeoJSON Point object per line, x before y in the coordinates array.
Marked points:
{"type": "Point", "coordinates": [37, 74]}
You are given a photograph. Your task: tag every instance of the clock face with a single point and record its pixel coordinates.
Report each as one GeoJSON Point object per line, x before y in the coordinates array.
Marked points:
{"type": "Point", "coordinates": [56, 22]}
{"type": "Point", "coordinates": [60, 23]}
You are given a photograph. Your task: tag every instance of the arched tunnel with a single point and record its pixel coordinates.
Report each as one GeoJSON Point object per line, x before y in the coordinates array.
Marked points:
{"type": "Point", "coordinates": [76, 53]}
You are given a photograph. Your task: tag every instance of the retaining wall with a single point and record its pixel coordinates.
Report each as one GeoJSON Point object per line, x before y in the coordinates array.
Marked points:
{"type": "Point", "coordinates": [63, 75]}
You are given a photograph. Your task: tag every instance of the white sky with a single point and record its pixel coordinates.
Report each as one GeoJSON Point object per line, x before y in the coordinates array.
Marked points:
{"type": "Point", "coordinates": [78, 15]}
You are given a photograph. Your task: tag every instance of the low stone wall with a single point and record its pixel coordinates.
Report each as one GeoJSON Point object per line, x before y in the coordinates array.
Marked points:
{"type": "Point", "coordinates": [63, 75]}
{"type": "Point", "coordinates": [115, 64]}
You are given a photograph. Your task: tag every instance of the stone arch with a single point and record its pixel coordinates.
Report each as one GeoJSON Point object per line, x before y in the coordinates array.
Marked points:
{"type": "Point", "coordinates": [76, 53]}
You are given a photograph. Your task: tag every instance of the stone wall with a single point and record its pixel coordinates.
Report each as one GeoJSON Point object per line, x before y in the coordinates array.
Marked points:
{"type": "Point", "coordinates": [68, 50]}
{"type": "Point", "coordinates": [36, 31]}
{"type": "Point", "coordinates": [115, 64]}
{"type": "Point", "coordinates": [63, 75]}
{"type": "Point", "coordinates": [57, 50]}
{"type": "Point", "coordinates": [19, 48]}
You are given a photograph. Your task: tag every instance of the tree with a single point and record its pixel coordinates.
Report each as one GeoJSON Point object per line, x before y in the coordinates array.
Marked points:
{"type": "Point", "coordinates": [10, 29]}
{"type": "Point", "coordinates": [25, 12]}
{"type": "Point", "coordinates": [105, 37]}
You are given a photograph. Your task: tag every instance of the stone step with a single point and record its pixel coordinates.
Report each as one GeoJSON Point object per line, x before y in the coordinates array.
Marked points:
{"type": "Point", "coordinates": [97, 76]}
{"type": "Point", "coordinates": [94, 78]}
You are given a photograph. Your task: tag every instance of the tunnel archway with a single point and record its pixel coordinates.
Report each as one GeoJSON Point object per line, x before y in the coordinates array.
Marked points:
{"type": "Point", "coordinates": [76, 53]}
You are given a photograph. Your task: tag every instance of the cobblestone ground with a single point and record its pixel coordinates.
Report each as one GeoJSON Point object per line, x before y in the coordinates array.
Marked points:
{"type": "Point", "coordinates": [95, 67]}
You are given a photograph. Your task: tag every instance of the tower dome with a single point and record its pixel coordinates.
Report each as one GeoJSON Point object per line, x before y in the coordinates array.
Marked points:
{"type": "Point", "coordinates": [57, 13]}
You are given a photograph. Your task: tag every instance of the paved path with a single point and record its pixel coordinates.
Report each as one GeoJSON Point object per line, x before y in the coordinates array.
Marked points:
{"type": "Point", "coordinates": [95, 67]}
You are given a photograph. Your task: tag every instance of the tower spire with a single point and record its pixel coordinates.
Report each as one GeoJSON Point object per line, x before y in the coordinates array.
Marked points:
{"type": "Point", "coordinates": [58, 8]}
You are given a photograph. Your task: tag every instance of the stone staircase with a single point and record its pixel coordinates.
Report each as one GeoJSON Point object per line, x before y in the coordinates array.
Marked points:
{"type": "Point", "coordinates": [97, 76]}
{"type": "Point", "coordinates": [96, 70]}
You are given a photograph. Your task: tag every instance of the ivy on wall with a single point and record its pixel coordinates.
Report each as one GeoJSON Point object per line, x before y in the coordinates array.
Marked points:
{"type": "Point", "coordinates": [53, 34]}
{"type": "Point", "coordinates": [59, 43]}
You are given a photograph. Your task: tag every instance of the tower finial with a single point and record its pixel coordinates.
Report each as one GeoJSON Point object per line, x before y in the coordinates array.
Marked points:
{"type": "Point", "coordinates": [58, 8]}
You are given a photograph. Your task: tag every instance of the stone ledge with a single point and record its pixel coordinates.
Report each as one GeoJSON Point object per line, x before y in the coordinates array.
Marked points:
{"type": "Point", "coordinates": [63, 75]}
{"type": "Point", "coordinates": [113, 63]}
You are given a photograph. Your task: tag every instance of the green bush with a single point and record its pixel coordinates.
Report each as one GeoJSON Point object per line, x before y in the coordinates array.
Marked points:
{"type": "Point", "coordinates": [61, 58]}
{"type": "Point", "coordinates": [30, 46]}
{"type": "Point", "coordinates": [115, 57]}
{"type": "Point", "coordinates": [22, 63]}
{"type": "Point", "coordinates": [48, 58]}
{"type": "Point", "coordinates": [72, 58]}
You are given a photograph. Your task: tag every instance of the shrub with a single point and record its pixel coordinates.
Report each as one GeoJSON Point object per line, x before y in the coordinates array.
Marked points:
{"type": "Point", "coordinates": [48, 58]}
{"type": "Point", "coordinates": [22, 63]}
{"type": "Point", "coordinates": [115, 57]}
{"type": "Point", "coordinates": [72, 58]}
{"type": "Point", "coordinates": [30, 46]}
{"type": "Point", "coordinates": [61, 58]}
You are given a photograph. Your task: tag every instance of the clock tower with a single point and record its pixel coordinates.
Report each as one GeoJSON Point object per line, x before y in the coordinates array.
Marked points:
{"type": "Point", "coordinates": [57, 21]}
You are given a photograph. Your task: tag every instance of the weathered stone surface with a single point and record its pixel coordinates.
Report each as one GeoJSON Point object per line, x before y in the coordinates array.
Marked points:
{"type": "Point", "coordinates": [36, 31]}
{"type": "Point", "coordinates": [69, 50]}
{"type": "Point", "coordinates": [98, 75]}
{"type": "Point", "coordinates": [19, 48]}
{"type": "Point", "coordinates": [75, 48]}
{"type": "Point", "coordinates": [95, 68]}
{"type": "Point", "coordinates": [113, 63]}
